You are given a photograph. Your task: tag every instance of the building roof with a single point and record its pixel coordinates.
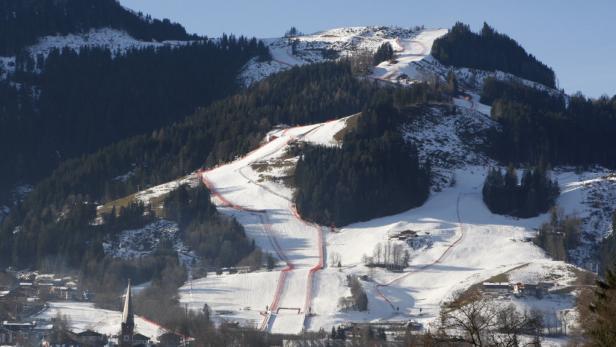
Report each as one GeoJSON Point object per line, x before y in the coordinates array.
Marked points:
{"type": "Point", "coordinates": [496, 284]}
{"type": "Point", "coordinates": [141, 337]}
{"type": "Point", "coordinates": [89, 333]}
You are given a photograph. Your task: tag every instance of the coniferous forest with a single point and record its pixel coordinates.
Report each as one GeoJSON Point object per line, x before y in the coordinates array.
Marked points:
{"type": "Point", "coordinates": [490, 50]}
{"type": "Point", "coordinates": [218, 241]}
{"type": "Point", "coordinates": [24, 21]}
{"type": "Point", "coordinates": [534, 195]}
{"type": "Point", "coordinates": [78, 102]}
{"type": "Point", "coordinates": [383, 53]}
{"type": "Point", "coordinates": [374, 173]}
{"type": "Point", "coordinates": [536, 126]}
{"type": "Point", "coordinates": [211, 135]}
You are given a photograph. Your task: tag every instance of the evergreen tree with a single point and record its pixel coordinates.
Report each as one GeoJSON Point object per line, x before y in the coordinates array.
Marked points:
{"type": "Point", "coordinates": [375, 172]}
{"type": "Point", "coordinates": [536, 127]}
{"type": "Point", "coordinates": [213, 134]}
{"type": "Point", "coordinates": [23, 22]}
{"type": "Point", "coordinates": [452, 83]}
{"type": "Point", "coordinates": [503, 195]}
{"type": "Point", "coordinates": [489, 50]}
{"type": "Point", "coordinates": [384, 53]}
{"type": "Point", "coordinates": [144, 89]}
{"type": "Point", "coordinates": [602, 327]}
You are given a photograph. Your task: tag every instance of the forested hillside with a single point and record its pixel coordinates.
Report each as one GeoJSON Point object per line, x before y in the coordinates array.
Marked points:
{"type": "Point", "coordinates": [375, 172]}
{"type": "Point", "coordinates": [539, 127]}
{"type": "Point", "coordinates": [490, 50]}
{"type": "Point", "coordinates": [23, 21]}
{"type": "Point", "coordinates": [217, 133]}
{"type": "Point", "coordinates": [218, 241]}
{"type": "Point", "coordinates": [74, 103]}
{"type": "Point", "coordinates": [536, 193]}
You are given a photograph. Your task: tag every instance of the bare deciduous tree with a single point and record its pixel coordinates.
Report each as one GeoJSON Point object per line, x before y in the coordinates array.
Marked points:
{"type": "Point", "coordinates": [482, 322]}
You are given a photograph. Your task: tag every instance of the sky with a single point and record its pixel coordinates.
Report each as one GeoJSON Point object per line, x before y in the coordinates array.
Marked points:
{"type": "Point", "coordinates": [575, 38]}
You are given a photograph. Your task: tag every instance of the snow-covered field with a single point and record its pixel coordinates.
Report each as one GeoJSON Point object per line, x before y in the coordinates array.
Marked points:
{"type": "Point", "coordinates": [84, 316]}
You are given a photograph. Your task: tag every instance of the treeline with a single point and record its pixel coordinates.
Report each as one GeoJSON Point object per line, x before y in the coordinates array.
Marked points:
{"type": "Point", "coordinates": [536, 126]}
{"type": "Point", "coordinates": [24, 21]}
{"type": "Point", "coordinates": [214, 134]}
{"type": "Point", "coordinates": [375, 172]}
{"type": "Point", "coordinates": [534, 195]}
{"type": "Point", "coordinates": [218, 240]}
{"type": "Point", "coordinates": [74, 103]}
{"type": "Point", "coordinates": [383, 53]}
{"type": "Point", "coordinates": [490, 50]}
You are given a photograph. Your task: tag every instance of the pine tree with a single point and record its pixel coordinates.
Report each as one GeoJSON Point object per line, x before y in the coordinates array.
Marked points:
{"type": "Point", "coordinates": [602, 329]}
{"type": "Point", "coordinates": [503, 195]}
{"type": "Point", "coordinates": [383, 53]}
{"type": "Point", "coordinates": [452, 83]}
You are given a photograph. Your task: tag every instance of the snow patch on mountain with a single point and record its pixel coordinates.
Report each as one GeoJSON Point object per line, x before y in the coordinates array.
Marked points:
{"type": "Point", "coordinates": [7, 66]}
{"type": "Point", "coordinates": [150, 194]}
{"type": "Point", "coordinates": [412, 61]}
{"type": "Point", "coordinates": [328, 45]}
{"type": "Point", "coordinates": [592, 198]}
{"type": "Point", "coordinates": [4, 211]}
{"type": "Point", "coordinates": [138, 243]}
{"type": "Point", "coordinates": [117, 41]}
{"type": "Point", "coordinates": [450, 138]}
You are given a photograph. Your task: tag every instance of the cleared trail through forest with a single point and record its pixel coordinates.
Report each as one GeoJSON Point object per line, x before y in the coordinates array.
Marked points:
{"type": "Point", "coordinates": [292, 298]}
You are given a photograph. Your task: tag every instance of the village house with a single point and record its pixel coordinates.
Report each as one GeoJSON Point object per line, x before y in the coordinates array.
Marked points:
{"type": "Point", "coordinates": [65, 340]}
{"type": "Point", "coordinates": [538, 290]}
{"type": "Point", "coordinates": [12, 333]}
{"type": "Point", "coordinates": [90, 338]}
{"type": "Point", "coordinates": [496, 288]}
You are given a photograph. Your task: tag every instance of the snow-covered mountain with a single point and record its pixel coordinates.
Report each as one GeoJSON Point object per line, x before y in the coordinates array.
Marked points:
{"type": "Point", "coordinates": [464, 243]}
{"type": "Point", "coordinates": [411, 46]}
{"type": "Point", "coordinates": [458, 243]}
{"type": "Point", "coordinates": [334, 44]}
{"type": "Point", "coordinates": [117, 41]}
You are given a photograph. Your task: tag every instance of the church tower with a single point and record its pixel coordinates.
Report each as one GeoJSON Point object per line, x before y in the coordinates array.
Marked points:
{"type": "Point", "coordinates": [128, 320]}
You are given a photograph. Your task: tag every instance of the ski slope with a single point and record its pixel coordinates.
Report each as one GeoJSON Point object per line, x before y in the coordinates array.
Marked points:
{"type": "Point", "coordinates": [465, 244]}
{"type": "Point", "coordinates": [411, 45]}
{"type": "Point", "coordinates": [407, 51]}
{"type": "Point", "coordinates": [270, 218]}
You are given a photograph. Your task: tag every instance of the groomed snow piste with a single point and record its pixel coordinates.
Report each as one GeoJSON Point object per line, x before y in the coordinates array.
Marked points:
{"type": "Point", "coordinates": [467, 245]}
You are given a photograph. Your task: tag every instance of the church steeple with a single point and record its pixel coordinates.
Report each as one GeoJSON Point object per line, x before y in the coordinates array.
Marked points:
{"type": "Point", "coordinates": [128, 320]}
